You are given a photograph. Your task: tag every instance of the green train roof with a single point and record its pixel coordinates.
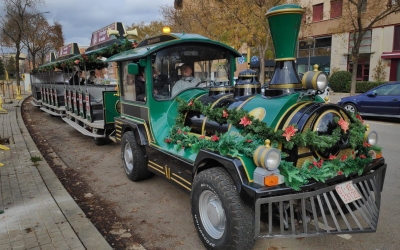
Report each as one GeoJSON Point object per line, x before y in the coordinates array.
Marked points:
{"type": "Point", "coordinates": [150, 45]}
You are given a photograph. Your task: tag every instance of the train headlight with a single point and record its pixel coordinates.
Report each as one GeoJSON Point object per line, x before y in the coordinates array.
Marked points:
{"type": "Point", "coordinates": [371, 137]}
{"type": "Point", "coordinates": [317, 80]}
{"type": "Point", "coordinates": [267, 157]}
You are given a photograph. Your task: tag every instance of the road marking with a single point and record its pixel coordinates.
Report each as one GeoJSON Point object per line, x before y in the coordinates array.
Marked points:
{"type": "Point", "coordinates": [344, 236]}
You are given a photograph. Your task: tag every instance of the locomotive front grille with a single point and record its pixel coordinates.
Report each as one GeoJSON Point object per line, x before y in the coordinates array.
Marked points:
{"type": "Point", "coordinates": [322, 211]}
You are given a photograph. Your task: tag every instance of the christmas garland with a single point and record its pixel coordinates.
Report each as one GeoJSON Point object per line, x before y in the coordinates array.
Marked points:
{"type": "Point", "coordinates": [254, 133]}
{"type": "Point", "coordinates": [92, 60]}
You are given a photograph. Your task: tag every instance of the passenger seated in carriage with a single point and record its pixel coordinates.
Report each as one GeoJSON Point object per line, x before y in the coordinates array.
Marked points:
{"type": "Point", "coordinates": [140, 87]}
{"type": "Point", "coordinates": [92, 78]}
{"type": "Point", "coordinates": [75, 79]}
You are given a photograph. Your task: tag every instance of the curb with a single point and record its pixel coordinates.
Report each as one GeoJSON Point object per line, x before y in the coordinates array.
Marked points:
{"type": "Point", "coordinates": [83, 227]}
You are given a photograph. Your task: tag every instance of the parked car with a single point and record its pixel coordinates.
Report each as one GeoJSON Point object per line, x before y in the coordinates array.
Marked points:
{"type": "Point", "coordinates": [382, 101]}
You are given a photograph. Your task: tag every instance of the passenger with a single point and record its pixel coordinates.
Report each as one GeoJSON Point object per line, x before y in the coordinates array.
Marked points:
{"type": "Point", "coordinates": [140, 87]}
{"type": "Point", "coordinates": [187, 80]}
{"type": "Point", "coordinates": [92, 77]}
{"type": "Point", "coordinates": [75, 79]}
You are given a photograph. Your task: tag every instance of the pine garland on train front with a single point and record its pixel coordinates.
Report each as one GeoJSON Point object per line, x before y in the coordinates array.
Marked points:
{"type": "Point", "coordinates": [254, 132]}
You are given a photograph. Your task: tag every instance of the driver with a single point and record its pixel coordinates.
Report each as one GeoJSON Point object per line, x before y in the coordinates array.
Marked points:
{"type": "Point", "coordinates": [187, 80]}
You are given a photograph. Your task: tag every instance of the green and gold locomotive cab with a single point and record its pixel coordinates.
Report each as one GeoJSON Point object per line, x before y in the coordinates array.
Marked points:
{"type": "Point", "coordinates": [248, 154]}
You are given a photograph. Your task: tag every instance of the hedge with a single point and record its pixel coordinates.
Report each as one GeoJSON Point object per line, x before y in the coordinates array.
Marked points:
{"type": "Point", "coordinates": [340, 81]}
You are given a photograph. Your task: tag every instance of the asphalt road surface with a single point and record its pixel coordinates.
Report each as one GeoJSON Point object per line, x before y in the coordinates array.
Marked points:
{"type": "Point", "coordinates": [157, 214]}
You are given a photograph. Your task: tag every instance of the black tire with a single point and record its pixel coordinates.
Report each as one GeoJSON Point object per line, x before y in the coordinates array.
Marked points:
{"type": "Point", "coordinates": [221, 218]}
{"type": "Point", "coordinates": [99, 141]}
{"type": "Point", "coordinates": [134, 158]}
{"type": "Point", "coordinates": [350, 107]}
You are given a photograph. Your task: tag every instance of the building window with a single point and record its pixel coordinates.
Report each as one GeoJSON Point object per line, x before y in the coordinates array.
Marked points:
{"type": "Point", "coordinates": [318, 12]}
{"type": "Point", "coordinates": [396, 39]}
{"type": "Point", "coordinates": [320, 47]}
{"type": "Point", "coordinates": [365, 46]}
{"type": "Point", "coordinates": [336, 8]}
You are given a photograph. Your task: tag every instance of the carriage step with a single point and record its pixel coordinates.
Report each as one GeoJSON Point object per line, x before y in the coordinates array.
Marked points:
{"type": "Point", "coordinates": [81, 129]}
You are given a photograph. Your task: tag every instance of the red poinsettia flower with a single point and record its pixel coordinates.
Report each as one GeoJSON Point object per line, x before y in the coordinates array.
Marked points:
{"type": "Point", "coordinates": [320, 163]}
{"type": "Point", "coordinates": [358, 116]}
{"type": "Point", "coordinates": [190, 103]}
{"type": "Point", "coordinates": [214, 138]}
{"type": "Point", "coordinates": [184, 133]}
{"type": "Point", "coordinates": [289, 132]}
{"type": "Point", "coordinates": [332, 157]}
{"type": "Point", "coordinates": [225, 113]}
{"type": "Point", "coordinates": [344, 157]}
{"type": "Point", "coordinates": [366, 144]}
{"type": "Point", "coordinates": [202, 136]}
{"type": "Point", "coordinates": [314, 163]}
{"type": "Point", "coordinates": [310, 167]}
{"type": "Point", "coordinates": [183, 147]}
{"type": "Point", "coordinates": [167, 140]}
{"type": "Point", "coordinates": [249, 141]}
{"type": "Point", "coordinates": [363, 156]}
{"type": "Point", "coordinates": [179, 131]}
{"type": "Point", "coordinates": [245, 121]}
{"type": "Point", "coordinates": [343, 124]}
{"type": "Point", "coordinates": [339, 172]}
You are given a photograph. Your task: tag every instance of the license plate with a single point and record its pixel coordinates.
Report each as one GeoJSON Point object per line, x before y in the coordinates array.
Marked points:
{"type": "Point", "coordinates": [347, 192]}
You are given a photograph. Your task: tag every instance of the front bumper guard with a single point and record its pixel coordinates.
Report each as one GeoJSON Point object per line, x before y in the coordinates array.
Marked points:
{"type": "Point", "coordinates": [321, 211]}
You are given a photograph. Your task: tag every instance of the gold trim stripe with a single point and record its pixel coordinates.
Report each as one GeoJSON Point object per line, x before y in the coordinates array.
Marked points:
{"type": "Point", "coordinates": [162, 172]}
{"type": "Point", "coordinates": [293, 114]}
{"type": "Point", "coordinates": [285, 11]}
{"type": "Point", "coordinates": [117, 126]}
{"type": "Point", "coordinates": [285, 59]}
{"type": "Point", "coordinates": [245, 169]}
{"type": "Point", "coordinates": [173, 174]}
{"type": "Point", "coordinates": [183, 185]}
{"type": "Point", "coordinates": [156, 165]}
{"type": "Point", "coordinates": [246, 86]}
{"type": "Point", "coordinates": [286, 86]}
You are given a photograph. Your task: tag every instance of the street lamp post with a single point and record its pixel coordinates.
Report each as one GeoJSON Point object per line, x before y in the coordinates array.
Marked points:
{"type": "Point", "coordinates": [310, 41]}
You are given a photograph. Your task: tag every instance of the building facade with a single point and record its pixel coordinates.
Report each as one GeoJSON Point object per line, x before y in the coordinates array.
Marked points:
{"type": "Point", "coordinates": [320, 44]}
{"type": "Point", "coordinates": [380, 45]}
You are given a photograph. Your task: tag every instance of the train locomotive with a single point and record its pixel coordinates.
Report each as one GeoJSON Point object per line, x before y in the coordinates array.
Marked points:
{"type": "Point", "coordinates": [259, 161]}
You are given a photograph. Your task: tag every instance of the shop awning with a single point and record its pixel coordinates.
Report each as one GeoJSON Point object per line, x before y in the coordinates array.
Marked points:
{"type": "Point", "coordinates": [388, 55]}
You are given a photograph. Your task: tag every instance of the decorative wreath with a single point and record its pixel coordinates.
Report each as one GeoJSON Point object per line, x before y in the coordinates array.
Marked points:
{"type": "Point", "coordinates": [92, 59]}
{"type": "Point", "coordinates": [254, 132]}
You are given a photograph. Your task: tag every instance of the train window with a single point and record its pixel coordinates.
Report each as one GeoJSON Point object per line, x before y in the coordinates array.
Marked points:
{"type": "Point", "coordinates": [128, 91]}
{"type": "Point", "coordinates": [203, 61]}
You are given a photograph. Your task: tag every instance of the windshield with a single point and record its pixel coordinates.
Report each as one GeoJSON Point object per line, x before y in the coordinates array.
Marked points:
{"type": "Point", "coordinates": [176, 69]}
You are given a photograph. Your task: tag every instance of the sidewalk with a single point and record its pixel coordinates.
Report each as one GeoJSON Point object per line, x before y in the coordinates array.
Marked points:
{"type": "Point", "coordinates": [38, 212]}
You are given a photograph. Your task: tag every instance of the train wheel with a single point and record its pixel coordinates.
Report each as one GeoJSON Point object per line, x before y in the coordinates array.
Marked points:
{"type": "Point", "coordinates": [221, 218]}
{"type": "Point", "coordinates": [134, 158]}
{"type": "Point", "coordinates": [99, 141]}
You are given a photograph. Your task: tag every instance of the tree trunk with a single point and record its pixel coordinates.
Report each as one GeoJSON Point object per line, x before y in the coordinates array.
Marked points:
{"type": "Point", "coordinates": [354, 76]}
{"type": "Point", "coordinates": [262, 69]}
{"type": "Point", "coordinates": [33, 60]}
{"type": "Point", "coordinates": [17, 65]}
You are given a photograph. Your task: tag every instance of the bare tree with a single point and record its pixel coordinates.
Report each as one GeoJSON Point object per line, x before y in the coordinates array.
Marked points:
{"type": "Point", "coordinates": [360, 16]}
{"type": "Point", "coordinates": [13, 25]}
{"type": "Point", "coordinates": [41, 37]}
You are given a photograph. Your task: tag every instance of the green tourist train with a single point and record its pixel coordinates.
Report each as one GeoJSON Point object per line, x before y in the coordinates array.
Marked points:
{"type": "Point", "coordinates": [258, 160]}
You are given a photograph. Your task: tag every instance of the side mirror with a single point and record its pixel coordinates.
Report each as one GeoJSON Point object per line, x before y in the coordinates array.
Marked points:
{"type": "Point", "coordinates": [133, 69]}
{"type": "Point", "coordinates": [372, 94]}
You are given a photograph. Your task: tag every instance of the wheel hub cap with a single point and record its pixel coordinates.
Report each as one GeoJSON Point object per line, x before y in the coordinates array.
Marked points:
{"type": "Point", "coordinates": [128, 157]}
{"type": "Point", "coordinates": [212, 214]}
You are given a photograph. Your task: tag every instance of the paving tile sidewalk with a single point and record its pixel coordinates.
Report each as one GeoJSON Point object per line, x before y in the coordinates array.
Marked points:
{"type": "Point", "coordinates": [38, 212]}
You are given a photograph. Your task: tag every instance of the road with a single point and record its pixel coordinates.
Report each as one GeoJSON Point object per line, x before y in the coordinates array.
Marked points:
{"type": "Point", "coordinates": [157, 214]}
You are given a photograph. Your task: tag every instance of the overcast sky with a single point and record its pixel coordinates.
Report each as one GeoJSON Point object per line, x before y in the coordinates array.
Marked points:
{"type": "Point", "coordinates": [79, 18]}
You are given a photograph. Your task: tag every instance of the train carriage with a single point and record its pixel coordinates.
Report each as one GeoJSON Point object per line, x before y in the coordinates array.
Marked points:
{"type": "Point", "coordinates": [248, 154]}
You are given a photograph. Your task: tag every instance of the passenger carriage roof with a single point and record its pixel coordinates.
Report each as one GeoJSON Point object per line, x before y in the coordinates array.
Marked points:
{"type": "Point", "coordinates": [150, 45]}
